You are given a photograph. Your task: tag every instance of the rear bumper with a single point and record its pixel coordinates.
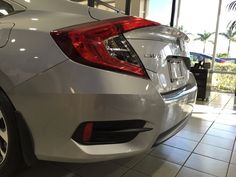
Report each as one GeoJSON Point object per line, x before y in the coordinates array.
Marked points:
{"type": "Point", "coordinates": [171, 132]}
{"type": "Point", "coordinates": [56, 102]}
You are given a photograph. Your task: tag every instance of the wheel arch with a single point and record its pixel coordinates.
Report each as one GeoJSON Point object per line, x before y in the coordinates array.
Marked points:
{"type": "Point", "coordinates": [26, 140]}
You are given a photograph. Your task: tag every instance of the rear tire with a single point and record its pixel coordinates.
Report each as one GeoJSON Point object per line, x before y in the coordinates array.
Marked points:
{"type": "Point", "coordinates": [10, 152]}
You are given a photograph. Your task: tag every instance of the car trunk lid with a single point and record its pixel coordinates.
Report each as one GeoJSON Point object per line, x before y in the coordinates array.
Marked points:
{"type": "Point", "coordinates": [163, 54]}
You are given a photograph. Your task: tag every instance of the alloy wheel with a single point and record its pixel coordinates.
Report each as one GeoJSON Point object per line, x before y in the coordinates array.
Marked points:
{"type": "Point", "coordinates": [3, 138]}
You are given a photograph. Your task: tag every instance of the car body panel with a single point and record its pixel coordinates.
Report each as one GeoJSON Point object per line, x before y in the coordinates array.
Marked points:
{"type": "Point", "coordinates": [86, 93]}
{"type": "Point", "coordinates": [55, 94]}
{"type": "Point", "coordinates": [25, 60]}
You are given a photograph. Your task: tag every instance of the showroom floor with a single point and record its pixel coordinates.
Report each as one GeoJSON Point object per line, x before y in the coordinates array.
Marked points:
{"type": "Point", "coordinates": [205, 148]}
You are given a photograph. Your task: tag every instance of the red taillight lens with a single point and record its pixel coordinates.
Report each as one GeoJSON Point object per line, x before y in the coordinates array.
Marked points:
{"type": "Point", "coordinates": [101, 44]}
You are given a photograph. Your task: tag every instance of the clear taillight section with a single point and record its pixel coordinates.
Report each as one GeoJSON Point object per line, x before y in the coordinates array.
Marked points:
{"type": "Point", "coordinates": [101, 44]}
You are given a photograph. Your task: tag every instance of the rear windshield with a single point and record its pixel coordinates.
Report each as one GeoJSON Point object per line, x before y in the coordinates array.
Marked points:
{"type": "Point", "coordinates": [7, 8]}
{"type": "Point", "coordinates": [110, 4]}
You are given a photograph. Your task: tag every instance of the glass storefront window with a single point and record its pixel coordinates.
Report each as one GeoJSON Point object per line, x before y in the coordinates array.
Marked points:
{"type": "Point", "coordinates": [160, 11]}
{"type": "Point", "coordinates": [226, 48]}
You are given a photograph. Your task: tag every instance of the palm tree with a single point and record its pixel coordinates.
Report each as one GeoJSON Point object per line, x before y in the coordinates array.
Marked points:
{"type": "Point", "coordinates": [232, 6]}
{"type": "Point", "coordinates": [230, 34]}
{"type": "Point", "coordinates": [181, 28]}
{"type": "Point", "coordinates": [204, 38]}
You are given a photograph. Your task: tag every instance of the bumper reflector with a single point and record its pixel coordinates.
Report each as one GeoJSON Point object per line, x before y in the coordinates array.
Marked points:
{"type": "Point", "coordinates": [87, 132]}
{"type": "Point", "coordinates": [109, 132]}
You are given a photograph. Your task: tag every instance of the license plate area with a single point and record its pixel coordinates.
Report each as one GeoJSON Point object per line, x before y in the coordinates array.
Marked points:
{"type": "Point", "coordinates": [175, 66]}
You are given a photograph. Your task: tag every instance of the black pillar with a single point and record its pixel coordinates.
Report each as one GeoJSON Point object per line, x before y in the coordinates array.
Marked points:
{"type": "Point", "coordinates": [127, 7]}
{"type": "Point", "coordinates": [173, 13]}
{"type": "Point", "coordinates": [91, 3]}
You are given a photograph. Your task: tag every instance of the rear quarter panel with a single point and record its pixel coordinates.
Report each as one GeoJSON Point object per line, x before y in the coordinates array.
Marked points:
{"type": "Point", "coordinates": [30, 49]}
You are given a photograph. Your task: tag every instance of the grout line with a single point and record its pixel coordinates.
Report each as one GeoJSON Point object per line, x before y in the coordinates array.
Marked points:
{"type": "Point", "coordinates": [204, 136]}
{"type": "Point", "coordinates": [162, 158]}
{"type": "Point", "coordinates": [230, 158]}
{"type": "Point", "coordinates": [226, 104]}
{"type": "Point", "coordinates": [177, 147]}
{"type": "Point", "coordinates": [187, 138]}
{"type": "Point", "coordinates": [135, 163]}
{"type": "Point", "coordinates": [202, 172]}
{"type": "Point", "coordinates": [68, 170]}
{"type": "Point", "coordinates": [211, 157]}
{"type": "Point", "coordinates": [193, 150]}
{"type": "Point", "coordinates": [137, 172]}
{"type": "Point", "coordinates": [210, 101]}
{"type": "Point", "coordinates": [216, 146]}
{"type": "Point", "coordinates": [198, 144]}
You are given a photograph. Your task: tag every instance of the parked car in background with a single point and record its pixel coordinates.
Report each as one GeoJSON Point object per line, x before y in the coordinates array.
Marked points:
{"type": "Point", "coordinates": [196, 57]}
{"type": "Point", "coordinates": [230, 60]}
{"type": "Point", "coordinates": [86, 85]}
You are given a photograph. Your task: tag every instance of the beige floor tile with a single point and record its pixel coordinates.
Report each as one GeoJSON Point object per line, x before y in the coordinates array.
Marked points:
{"type": "Point", "coordinates": [130, 162]}
{"type": "Point", "coordinates": [190, 135]}
{"type": "Point", "coordinates": [187, 172]}
{"type": "Point", "coordinates": [232, 171]}
{"type": "Point", "coordinates": [233, 158]}
{"type": "Point", "coordinates": [213, 152]}
{"type": "Point", "coordinates": [155, 167]}
{"type": "Point", "coordinates": [133, 173]}
{"type": "Point", "coordinates": [197, 121]}
{"type": "Point", "coordinates": [195, 128]}
{"type": "Point", "coordinates": [214, 141]}
{"type": "Point", "coordinates": [101, 169]}
{"type": "Point", "coordinates": [205, 109]}
{"type": "Point", "coordinates": [231, 129]}
{"type": "Point", "coordinates": [229, 119]}
{"type": "Point", "coordinates": [181, 143]}
{"type": "Point", "coordinates": [46, 169]}
{"type": "Point", "coordinates": [207, 165]}
{"type": "Point", "coordinates": [206, 116]}
{"type": "Point", "coordinates": [221, 133]}
{"type": "Point", "coordinates": [170, 154]}
{"type": "Point", "coordinates": [229, 110]}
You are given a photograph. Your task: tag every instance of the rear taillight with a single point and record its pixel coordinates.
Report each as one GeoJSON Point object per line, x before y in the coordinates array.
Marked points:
{"type": "Point", "coordinates": [101, 44]}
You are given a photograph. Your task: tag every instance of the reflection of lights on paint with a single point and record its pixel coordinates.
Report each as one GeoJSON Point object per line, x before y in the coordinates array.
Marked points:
{"type": "Point", "coordinates": [147, 87]}
{"type": "Point", "coordinates": [72, 90]}
{"type": "Point", "coordinates": [36, 57]}
{"type": "Point", "coordinates": [13, 40]}
{"type": "Point", "coordinates": [163, 80]}
{"type": "Point", "coordinates": [3, 11]}
{"type": "Point", "coordinates": [33, 29]}
{"type": "Point", "coordinates": [22, 49]}
{"type": "Point", "coordinates": [28, 1]}
{"type": "Point", "coordinates": [34, 19]}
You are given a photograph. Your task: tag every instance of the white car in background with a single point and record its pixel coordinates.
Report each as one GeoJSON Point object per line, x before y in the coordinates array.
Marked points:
{"type": "Point", "coordinates": [79, 84]}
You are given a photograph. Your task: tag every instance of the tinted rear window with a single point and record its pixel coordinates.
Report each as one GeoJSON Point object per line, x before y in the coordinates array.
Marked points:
{"type": "Point", "coordinates": [97, 5]}
{"type": "Point", "coordinates": [7, 8]}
